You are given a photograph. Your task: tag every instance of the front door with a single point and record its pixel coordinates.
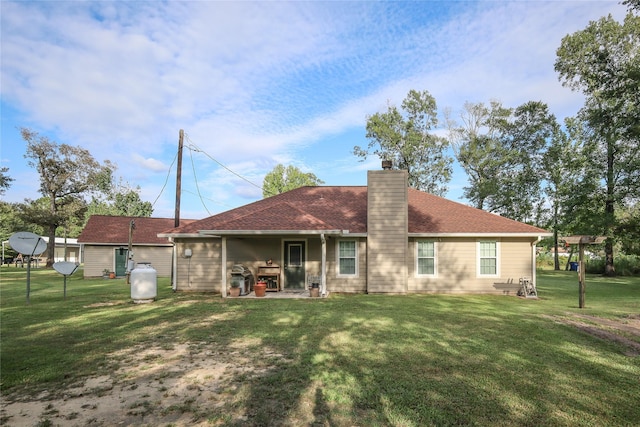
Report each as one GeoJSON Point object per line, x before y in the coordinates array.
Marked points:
{"type": "Point", "coordinates": [294, 265]}
{"type": "Point", "coordinates": [121, 261]}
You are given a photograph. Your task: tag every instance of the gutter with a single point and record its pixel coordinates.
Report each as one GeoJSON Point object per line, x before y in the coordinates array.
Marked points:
{"type": "Point", "coordinates": [174, 267]}
{"type": "Point", "coordinates": [497, 234]}
{"type": "Point", "coordinates": [174, 235]}
{"type": "Point", "coordinates": [323, 267]}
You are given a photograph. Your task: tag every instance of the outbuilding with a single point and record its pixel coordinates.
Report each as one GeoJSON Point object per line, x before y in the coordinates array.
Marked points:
{"type": "Point", "coordinates": [106, 244]}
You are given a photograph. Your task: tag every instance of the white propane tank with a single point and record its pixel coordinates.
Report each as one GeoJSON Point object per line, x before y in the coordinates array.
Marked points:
{"type": "Point", "coordinates": [144, 286]}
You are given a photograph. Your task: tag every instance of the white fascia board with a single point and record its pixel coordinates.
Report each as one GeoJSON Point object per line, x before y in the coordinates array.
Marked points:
{"type": "Point", "coordinates": [264, 232]}
{"type": "Point", "coordinates": [177, 235]}
{"type": "Point", "coordinates": [532, 235]}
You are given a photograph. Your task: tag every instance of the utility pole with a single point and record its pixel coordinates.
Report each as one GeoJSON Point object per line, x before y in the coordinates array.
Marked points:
{"type": "Point", "coordinates": [132, 226]}
{"type": "Point", "coordinates": [179, 178]}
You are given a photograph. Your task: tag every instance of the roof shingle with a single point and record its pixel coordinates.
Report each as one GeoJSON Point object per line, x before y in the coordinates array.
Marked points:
{"type": "Point", "coordinates": [345, 208]}
{"type": "Point", "coordinates": [106, 229]}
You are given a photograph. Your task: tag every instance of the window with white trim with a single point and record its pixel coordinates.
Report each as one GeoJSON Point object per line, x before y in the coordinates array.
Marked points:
{"type": "Point", "coordinates": [488, 258]}
{"type": "Point", "coordinates": [425, 258]}
{"type": "Point", "coordinates": [347, 254]}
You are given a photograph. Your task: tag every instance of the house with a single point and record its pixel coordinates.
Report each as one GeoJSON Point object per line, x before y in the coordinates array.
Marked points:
{"type": "Point", "coordinates": [379, 238]}
{"type": "Point", "coordinates": [106, 242]}
{"type": "Point", "coordinates": [66, 249]}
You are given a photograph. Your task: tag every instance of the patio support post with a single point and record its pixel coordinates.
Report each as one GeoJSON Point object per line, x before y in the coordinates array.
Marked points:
{"type": "Point", "coordinates": [174, 266]}
{"type": "Point", "coordinates": [323, 267]}
{"type": "Point", "coordinates": [223, 256]}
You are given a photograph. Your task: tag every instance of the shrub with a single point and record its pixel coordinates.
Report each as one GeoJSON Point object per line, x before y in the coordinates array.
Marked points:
{"type": "Point", "coordinates": [625, 265]}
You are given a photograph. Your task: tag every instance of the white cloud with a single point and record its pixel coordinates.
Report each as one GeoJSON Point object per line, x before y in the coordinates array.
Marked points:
{"type": "Point", "coordinates": [259, 83]}
{"type": "Point", "coordinates": [150, 163]}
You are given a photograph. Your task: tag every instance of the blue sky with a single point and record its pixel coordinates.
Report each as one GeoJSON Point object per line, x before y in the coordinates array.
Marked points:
{"type": "Point", "coordinates": [254, 84]}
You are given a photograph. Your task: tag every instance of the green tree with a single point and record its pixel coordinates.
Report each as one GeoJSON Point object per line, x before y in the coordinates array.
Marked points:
{"type": "Point", "coordinates": [628, 228]}
{"type": "Point", "coordinates": [5, 180]}
{"type": "Point", "coordinates": [477, 147]}
{"type": "Point", "coordinates": [282, 179]}
{"type": "Point", "coordinates": [603, 62]}
{"type": "Point", "coordinates": [562, 166]}
{"type": "Point", "coordinates": [12, 221]}
{"type": "Point", "coordinates": [120, 200]}
{"type": "Point", "coordinates": [501, 150]}
{"type": "Point", "coordinates": [67, 174]}
{"type": "Point", "coordinates": [524, 141]}
{"type": "Point", "coordinates": [632, 4]}
{"type": "Point", "coordinates": [407, 140]}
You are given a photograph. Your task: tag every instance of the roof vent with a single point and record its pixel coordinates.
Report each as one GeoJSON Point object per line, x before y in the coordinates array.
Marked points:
{"type": "Point", "coordinates": [386, 165]}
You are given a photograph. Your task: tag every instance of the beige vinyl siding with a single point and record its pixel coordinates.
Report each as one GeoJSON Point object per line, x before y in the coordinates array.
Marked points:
{"type": "Point", "coordinates": [205, 272]}
{"type": "Point", "coordinates": [158, 256]}
{"type": "Point", "coordinates": [253, 252]}
{"type": "Point", "coordinates": [99, 257]}
{"type": "Point", "coordinates": [387, 225]}
{"type": "Point", "coordinates": [457, 264]}
{"type": "Point", "coordinates": [347, 284]}
{"type": "Point", "coordinates": [202, 272]}
{"type": "Point", "coordinates": [96, 259]}
{"type": "Point", "coordinates": [515, 259]}
{"type": "Point", "coordinates": [313, 265]}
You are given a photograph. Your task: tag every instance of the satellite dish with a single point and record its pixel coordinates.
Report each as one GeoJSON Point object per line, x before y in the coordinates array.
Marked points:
{"type": "Point", "coordinates": [27, 243]}
{"type": "Point", "coordinates": [64, 267]}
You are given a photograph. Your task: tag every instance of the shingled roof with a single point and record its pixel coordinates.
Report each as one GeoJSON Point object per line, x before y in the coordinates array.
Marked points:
{"type": "Point", "coordinates": [330, 208]}
{"type": "Point", "coordinates": [106, 229]}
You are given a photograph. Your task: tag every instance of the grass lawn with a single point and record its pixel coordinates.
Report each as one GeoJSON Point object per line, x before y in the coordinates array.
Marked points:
{"type": "Point", "coordinates": [349, 360]}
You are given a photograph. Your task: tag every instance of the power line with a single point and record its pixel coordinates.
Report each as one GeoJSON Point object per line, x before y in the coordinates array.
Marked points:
{"type": "Point", "coordinates": [195, 177]}
{"type": "Point", "coordinates": [194, 147]}
{"type": "Point", "coordinates": [165, 181]}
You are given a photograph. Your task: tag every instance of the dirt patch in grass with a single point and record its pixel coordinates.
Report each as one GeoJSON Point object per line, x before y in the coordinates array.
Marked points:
{"type": "Point", "coordinates": [184, 385]}
{"type": "Point", "coordinates": [624, 332]}
{"type": "Point", "coordinates": [205, 384]}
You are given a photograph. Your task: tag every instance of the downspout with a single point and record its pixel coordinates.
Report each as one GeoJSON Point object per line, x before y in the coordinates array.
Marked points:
{"type": "Point", "coordinates": [223, 291]}
{"type": "Point", "coordinates": [323, 267]}
{"type": "Point", "coordinates": [533, 260]}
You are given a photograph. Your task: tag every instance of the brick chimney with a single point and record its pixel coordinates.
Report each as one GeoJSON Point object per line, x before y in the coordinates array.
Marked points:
{"type": "Point", "coordinates": [387, 230]}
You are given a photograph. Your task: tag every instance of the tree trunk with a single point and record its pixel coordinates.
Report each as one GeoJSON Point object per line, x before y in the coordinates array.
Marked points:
{"type": "Point", "coordinates": [609, 269]}
{"type": "Point", "coordinates": [556, 257]}
{"type": "Point", "coordinates": [567, 265]}
{"type": "Point", "coordinates": [51, 247]}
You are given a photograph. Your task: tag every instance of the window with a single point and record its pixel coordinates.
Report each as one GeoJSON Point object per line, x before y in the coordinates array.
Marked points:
{"type": "Point", "coordinates": [426, 258]}
{"type": "Point", "coordinates": [347, 258]}
{"type": "Point", "coordinates": [488, 258]}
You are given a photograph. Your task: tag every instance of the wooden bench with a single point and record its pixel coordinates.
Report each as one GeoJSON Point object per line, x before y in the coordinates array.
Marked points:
{"type": "Point", "coordinates": [509, 287]}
